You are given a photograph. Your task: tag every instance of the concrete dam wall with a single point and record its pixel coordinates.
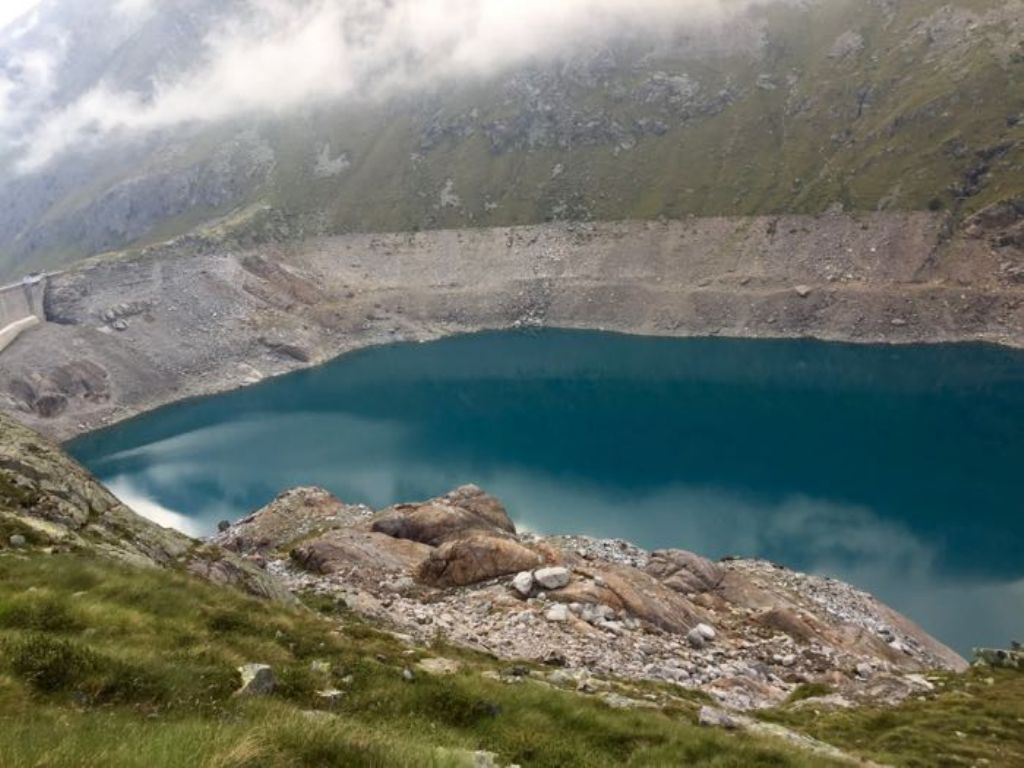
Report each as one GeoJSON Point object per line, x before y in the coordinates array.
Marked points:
{"type": "Point", "coordinates": [21, 307]}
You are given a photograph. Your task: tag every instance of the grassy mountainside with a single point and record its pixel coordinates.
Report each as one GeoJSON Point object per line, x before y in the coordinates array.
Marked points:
{"type": "Point", "coordinates": [909, 105]}
{"type": "Point", "coordinates": [137, 668]}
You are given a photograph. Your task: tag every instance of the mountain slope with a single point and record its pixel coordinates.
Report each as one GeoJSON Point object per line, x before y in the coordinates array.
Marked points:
{"type": "Point", "coordinates": [139, 666]}
{"type": "Point", "coordinates": [787, 107]}
{"type": "Point", "coordinates": [51, 502]}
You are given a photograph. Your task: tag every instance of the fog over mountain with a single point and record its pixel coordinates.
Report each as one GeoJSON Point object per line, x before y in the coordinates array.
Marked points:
{"type": "Point", "coordinates": [124, 122]}
{"type": "Point", "coordinates": [273, 56]}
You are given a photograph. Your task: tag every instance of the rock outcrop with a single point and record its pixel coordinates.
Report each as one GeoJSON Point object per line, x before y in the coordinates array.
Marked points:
{"type": "Point", "coordinates": [462, 511]}
{"type": "Point", "coordinates": [745, 632]}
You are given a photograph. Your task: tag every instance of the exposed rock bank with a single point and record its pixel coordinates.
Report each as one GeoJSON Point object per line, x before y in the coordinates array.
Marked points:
{"type": "Point", "coordinates": [746, 632]}
{"type": "Point", "coordinates": [125, 335]}
{"type": "Point", "coordinates": [49, 503]}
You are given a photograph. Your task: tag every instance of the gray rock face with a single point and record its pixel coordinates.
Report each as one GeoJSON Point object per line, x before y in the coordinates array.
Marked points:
{"type": "Point", "coordinates": [257, 680]}
{"type": "Point", "coordinates": [552, 578]}
{"type": "Point", "coordinates": [18, 541]}
{"type": "Point", "coordinates": [67, 506]}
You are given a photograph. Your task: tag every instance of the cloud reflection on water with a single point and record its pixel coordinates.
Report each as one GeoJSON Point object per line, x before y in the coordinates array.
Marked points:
{"type": "Point", "coordinates": [192, 480]}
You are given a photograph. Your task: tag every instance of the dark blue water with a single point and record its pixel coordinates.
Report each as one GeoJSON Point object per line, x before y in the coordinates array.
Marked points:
{"type": "Point", "coordinates": [899, 469]}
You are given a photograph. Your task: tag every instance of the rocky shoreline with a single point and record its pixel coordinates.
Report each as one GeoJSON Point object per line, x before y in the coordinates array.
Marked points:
{"type": "Point", "coordinates": [747, 633]}
{"type": "Point", "coordinates": [127, 334]}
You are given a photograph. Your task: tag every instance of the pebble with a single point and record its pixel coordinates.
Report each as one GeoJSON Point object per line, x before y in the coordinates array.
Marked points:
{"type": "Point", "coordinates": [523, 583]}
{"type": "Point", "coordinates": [557, 613]}
{"type": "Point", "coordinates": [707, 631]}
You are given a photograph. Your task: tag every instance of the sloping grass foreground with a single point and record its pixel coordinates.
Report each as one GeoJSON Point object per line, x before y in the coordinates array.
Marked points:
{"type": "Point", "coordinates": [103, 665]}
{"type": "Point", "coordinates": [975, 719]}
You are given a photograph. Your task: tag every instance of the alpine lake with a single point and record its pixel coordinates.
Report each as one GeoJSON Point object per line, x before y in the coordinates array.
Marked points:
{"type": "Point", "coordinates": [898, 469]}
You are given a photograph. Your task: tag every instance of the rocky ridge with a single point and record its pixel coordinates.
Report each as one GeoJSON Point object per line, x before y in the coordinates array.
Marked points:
{"type": "Point", "coordinates": [746, 632]}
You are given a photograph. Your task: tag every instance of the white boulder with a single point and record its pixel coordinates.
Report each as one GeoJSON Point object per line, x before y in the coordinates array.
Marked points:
{"type": "Point", "coordinates": [552, 578]}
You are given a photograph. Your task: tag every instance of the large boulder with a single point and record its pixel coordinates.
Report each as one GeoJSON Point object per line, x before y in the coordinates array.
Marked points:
{"type": "Point", "coordinates": [360, 551]}
{"type": "Point", "coordinates": [684, 571]}
{"type": "Point", "coordinates": [465, 510]}
{"type": "Point", "coordinates": [475, 558]}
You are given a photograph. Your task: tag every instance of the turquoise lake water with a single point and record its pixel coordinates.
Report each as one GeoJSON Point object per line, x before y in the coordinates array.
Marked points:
{"type": "Point", "coordinates": [898, 469]}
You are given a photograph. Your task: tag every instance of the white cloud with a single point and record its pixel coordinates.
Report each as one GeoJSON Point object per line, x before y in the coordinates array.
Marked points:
{"type": "Point", "coordinates": [12, 10]}
{"type": "Point", "coordinates": [281, 54]}
{"type": "Point", "coordinates": [133, 7]}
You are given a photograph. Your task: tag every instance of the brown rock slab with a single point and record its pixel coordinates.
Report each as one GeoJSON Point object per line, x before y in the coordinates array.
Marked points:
{"type": "Point", "coordinates": [476, 558]}
{"type": "Point", "coordinates": [463, 511]}
{"type": "Point", "coordinates": [646, 598]}
{"type": "Point", "coordinates": [684, 571]}
{"type": "Point", "coordinates": [348, 548]}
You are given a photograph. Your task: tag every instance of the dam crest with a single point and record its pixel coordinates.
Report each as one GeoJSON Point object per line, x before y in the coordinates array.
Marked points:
{"type": "Point", "coordinates": [21, 308]}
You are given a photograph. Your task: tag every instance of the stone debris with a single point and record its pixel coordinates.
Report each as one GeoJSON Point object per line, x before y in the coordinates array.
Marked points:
{"type": "Point", "coordinates": [997, 657]}
{"type": "Point", "coordinates": [746, 632]}
{"type": "Point", "coordinates": [558, 613]}
{"type": "Point", "coordinates": [464, 758]}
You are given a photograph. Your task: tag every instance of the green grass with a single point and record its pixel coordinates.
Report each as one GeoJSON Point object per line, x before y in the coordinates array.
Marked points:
{"type": "Point", "coordinates": [138, 668]}
{"type": "Point", "coordinates": [974, 719]}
